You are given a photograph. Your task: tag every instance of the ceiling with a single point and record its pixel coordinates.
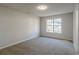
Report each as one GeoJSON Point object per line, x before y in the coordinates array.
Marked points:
{"type": "Point", "coordinates": [53, 8]}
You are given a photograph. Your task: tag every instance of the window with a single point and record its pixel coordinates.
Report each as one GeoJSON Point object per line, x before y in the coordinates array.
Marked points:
{"type": "Point", "coordinates": [54, 25]}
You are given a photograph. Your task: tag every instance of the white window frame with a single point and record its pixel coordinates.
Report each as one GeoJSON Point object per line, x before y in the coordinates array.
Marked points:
{"type": "Point", "coordinates": [53, 25]}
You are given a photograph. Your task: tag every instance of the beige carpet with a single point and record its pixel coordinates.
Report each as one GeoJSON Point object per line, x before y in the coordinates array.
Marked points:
{"type": "Point", "coordinates": [41, 46]}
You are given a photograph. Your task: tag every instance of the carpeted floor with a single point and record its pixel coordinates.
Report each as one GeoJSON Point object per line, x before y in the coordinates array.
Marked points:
{"type": "Point", "coordinates": [40, 46]}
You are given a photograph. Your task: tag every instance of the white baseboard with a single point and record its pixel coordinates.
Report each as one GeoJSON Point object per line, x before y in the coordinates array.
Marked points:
{"type": "Point", "coordinates": [19, 42]}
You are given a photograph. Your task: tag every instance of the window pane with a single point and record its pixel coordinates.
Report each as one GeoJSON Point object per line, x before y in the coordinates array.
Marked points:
{"type": "Point", "coordinates": [54, 25]}
{"type": "Point", "coordinates": [49, 26]}
{"type": "Point", "coordinates": [49, 29]}
{"type": "Point", "coordinates": [49, 22]}
{"type": "Point", "coordinates": [57, 20]}
{"type": "Point", "coordinates": [57, 25]}
{"type": "Point", "coordinates": [57, 29]}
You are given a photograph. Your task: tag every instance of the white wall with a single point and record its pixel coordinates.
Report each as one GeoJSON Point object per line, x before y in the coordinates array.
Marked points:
{"type": "Point", "coordinates": [16, 27]}
{"type": "Point", "coordinates": [67, 26]}
{"type": "Point", "coordinates": [76, 27]}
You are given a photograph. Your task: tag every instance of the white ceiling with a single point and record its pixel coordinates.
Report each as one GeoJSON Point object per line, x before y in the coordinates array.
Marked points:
{"type": "Point", "coordinates": [53, 8]}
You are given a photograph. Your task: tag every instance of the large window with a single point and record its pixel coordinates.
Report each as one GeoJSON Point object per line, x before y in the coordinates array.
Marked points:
{"type": "Point", "coordinates": [54, 25]}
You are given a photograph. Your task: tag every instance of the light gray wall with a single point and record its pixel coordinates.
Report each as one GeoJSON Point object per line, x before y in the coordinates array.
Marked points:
{"type": "Point", "coordinates": [67, 26]}
{"type": "Point", "coordinates": [16, 27]}
{"type": "Point", "coordinates": [76, 28]}
{"type": "Point", "coordinates": [78, 21]}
